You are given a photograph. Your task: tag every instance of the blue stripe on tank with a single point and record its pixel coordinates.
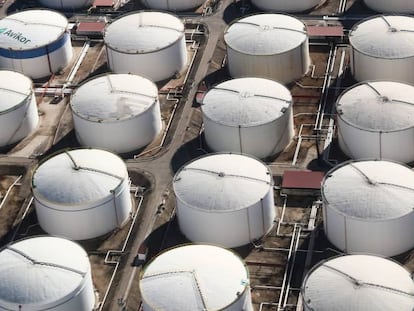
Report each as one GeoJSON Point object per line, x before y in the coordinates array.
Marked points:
{"type": "Point", "coordinates": [36, 52]}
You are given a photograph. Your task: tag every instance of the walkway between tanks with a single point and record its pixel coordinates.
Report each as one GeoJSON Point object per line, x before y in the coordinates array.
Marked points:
{"type": "Point", "coordinates": [160, 167]}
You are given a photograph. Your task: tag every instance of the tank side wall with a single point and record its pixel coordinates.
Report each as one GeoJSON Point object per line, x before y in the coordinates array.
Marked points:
{"type": "Point", "coordinates": [230, 229]}
{"type": "Point", "coordinates": [361, 144]}
{"type": "Point", "coordinates": [370, 68]}
{"type": "Point", "coordinates": [398, 146]}
{"type": "Point", "coordinates": [395, 6]}
{"type": "Point", "coordinates": [34, 68]}
{"type": "Point", "coordinates": [268, 139]}
{"type": "Point", "coordinates": [386, 238]}
{"type": "Point", "coordinates": [60, 58]}
{"type": "Point", "coordinates": [41, 62]}
{"type": "Point", "coordinates": [84, 224]}
{"type": "Point", "coordinates": [334, 226]}
{"type": "Point", "coordinates": [19, 123]}
{"type": "Point", "coordinates": [123, 203]}
{"type": "Point", "coordinates": [221, 138]}
{"type": "Point", "coordinates": [262, 216]}
{"type": "Point", "coordinates": [285, 6]}
{"type": "Point", "coordinates": [84, 300]}
{"type": "Point", "coordinates": [357, 143]}
{"type": "Point", "coordinates": [66, 4]}
{"type": "Point", "coordinates": [283, 68]}
{"type": "Point", "coordinates": [180, 5]}
{"type": "Point", "coordinates": [122, 136]}
{"type": "Point", "coordinates": [243, 303]}
{"type": "Point", "coordinates": [155, 66]}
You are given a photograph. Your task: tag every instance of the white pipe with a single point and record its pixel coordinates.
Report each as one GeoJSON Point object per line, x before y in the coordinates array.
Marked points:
{"type": "Point", "coordinates": [169, 97]}
{"type": "Point", "coordinates": [9, 190]}
{"type": "Point", "coordinates": [282, 214]}
{"type": "Point", "coordinates": [79, 61]}
{"type": "Point", "coordinates": [292, 267]}
{"type": "Point", "coordinates": [290, 263]}
{"type": "Point", "coordinates": [117, 263]}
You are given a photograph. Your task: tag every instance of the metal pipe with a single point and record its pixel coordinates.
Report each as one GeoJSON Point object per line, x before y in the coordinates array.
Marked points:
{"type": "Point", "coordinates": [324, 94]}
{"type": "Point", "coordinates": [291, 257]}
{"type": "Point", "coordinates": [9, 190]}
{"type": "Point", "coordinates": [292, 268]}
{"type": "Point", "coordinates": [176, 99]}
{"type": "Point", "coordinates": [117, 263]}
{"type": "Point", "coordinates": [331, 126]}
{"type": "Point", "coordinates": [79, 61]}
{"type": "Point", "coordinates": [282, 214]}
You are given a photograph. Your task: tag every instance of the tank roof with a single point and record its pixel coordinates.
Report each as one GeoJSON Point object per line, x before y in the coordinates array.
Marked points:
{"type": "Point", "coordinates": [265, 34]}
{"type": "Point", "coordinates": [31, 29]}
{"type": "Point", "coordinates": [114, 97]}
{"type": "Point", "coordinates": [384, 36]}
{"type": "Point", "coordinates": [143, 32]}
{"type": "Point", "coordinates": [203, 277]}
{"type": "Point", "coordinates": [41, 272]}
{"type": "Point", "coordinates": [358, 283]}
{"type": "Point", "coordinates": [246, 102]}
{"type": "Point", "coordinates": [15, 88]}
{"type": "Point", "coordinates": [378, 106]}
{"type": "Point", "coordinates": [78, 177]}
{"type": "Point", "coordinates": [370, 190]}
{"type": "Point", "coordinates": [222, 182]}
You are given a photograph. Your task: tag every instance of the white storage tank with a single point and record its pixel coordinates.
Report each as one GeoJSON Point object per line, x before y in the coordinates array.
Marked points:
{"type": "Point", "coordinates": [373, 200]}
{"type": "Point", "coordinates": [173, 5]}
{"type": "Point", "coordinates": [150, 44]}
{"type": "Point", "coordinates": [285, 6]}
{"type": "Point", "coordinates": [358, 283]}
{"type": "Point", "coordinates": [376, 120]}
{"type": "Point", "coordinates": [394, 6]}
{"type": "Point", "coordinates": [66, 4]}
{"type": "Point", "coordinates": [18, 109]}
{"type": "Point", "coordinates": [248, 115]}
{"type": "Point", "coordinates": [45, 273]}
{"type": "Point", "coordinates": [203, 277]}
{"type": "Point", "coordinates": [224, 199]}
{"type": "Point", "coordinates": [382, 48]}
{"type": "Point", "coordinates": [35, 42]}
{"type": "Point", "coordinates": [118, 112]}
{"type": "Point", "coordinates": [81, 194]}
{"type": "Point", "coordinates": [273, 46]}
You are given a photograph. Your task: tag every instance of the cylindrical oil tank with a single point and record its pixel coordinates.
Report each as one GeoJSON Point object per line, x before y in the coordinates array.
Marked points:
{"type": "Point", "coordinates": [204, 277]}
{"type": "Point", "coordinates": [376, 120]}
{"type": "Point", "coordinates": [224, 199]}
{"type": "Point", "coordinates": [358, 282]}
{"type": "Point", "coordinates": [273, 46]}
{"type": "Point", "coordinates": [18, 109]}
{"type": "Point", "coordinates": [285, 6]}
{"type": "Point", "coordinates": [173, 5]}
{"type": "Point", "coordinates": [81, 194]}
{"type": "Point", "coordinates": [66, 4]}
{"type": "Point", "coordinates": [395, 6]}
{"type": "Point", "coordinates": [149, 44]}
{"type": "Point", "coordinates": [35, 42]}
{"type": "Point", "coordinates": [382, 48]}
{"type": "Point", "coordinates": [45, 273]}
{"type": "Point", "coordinates": [248, 115]}
{"type": "Point", "coordinates": [373, 200]}
{"type": "Point", "coordinates": [118, 112]}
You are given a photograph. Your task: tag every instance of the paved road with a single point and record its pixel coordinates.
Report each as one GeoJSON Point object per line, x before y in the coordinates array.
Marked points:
{"type": "Point", "coordinates": [160, 166]}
